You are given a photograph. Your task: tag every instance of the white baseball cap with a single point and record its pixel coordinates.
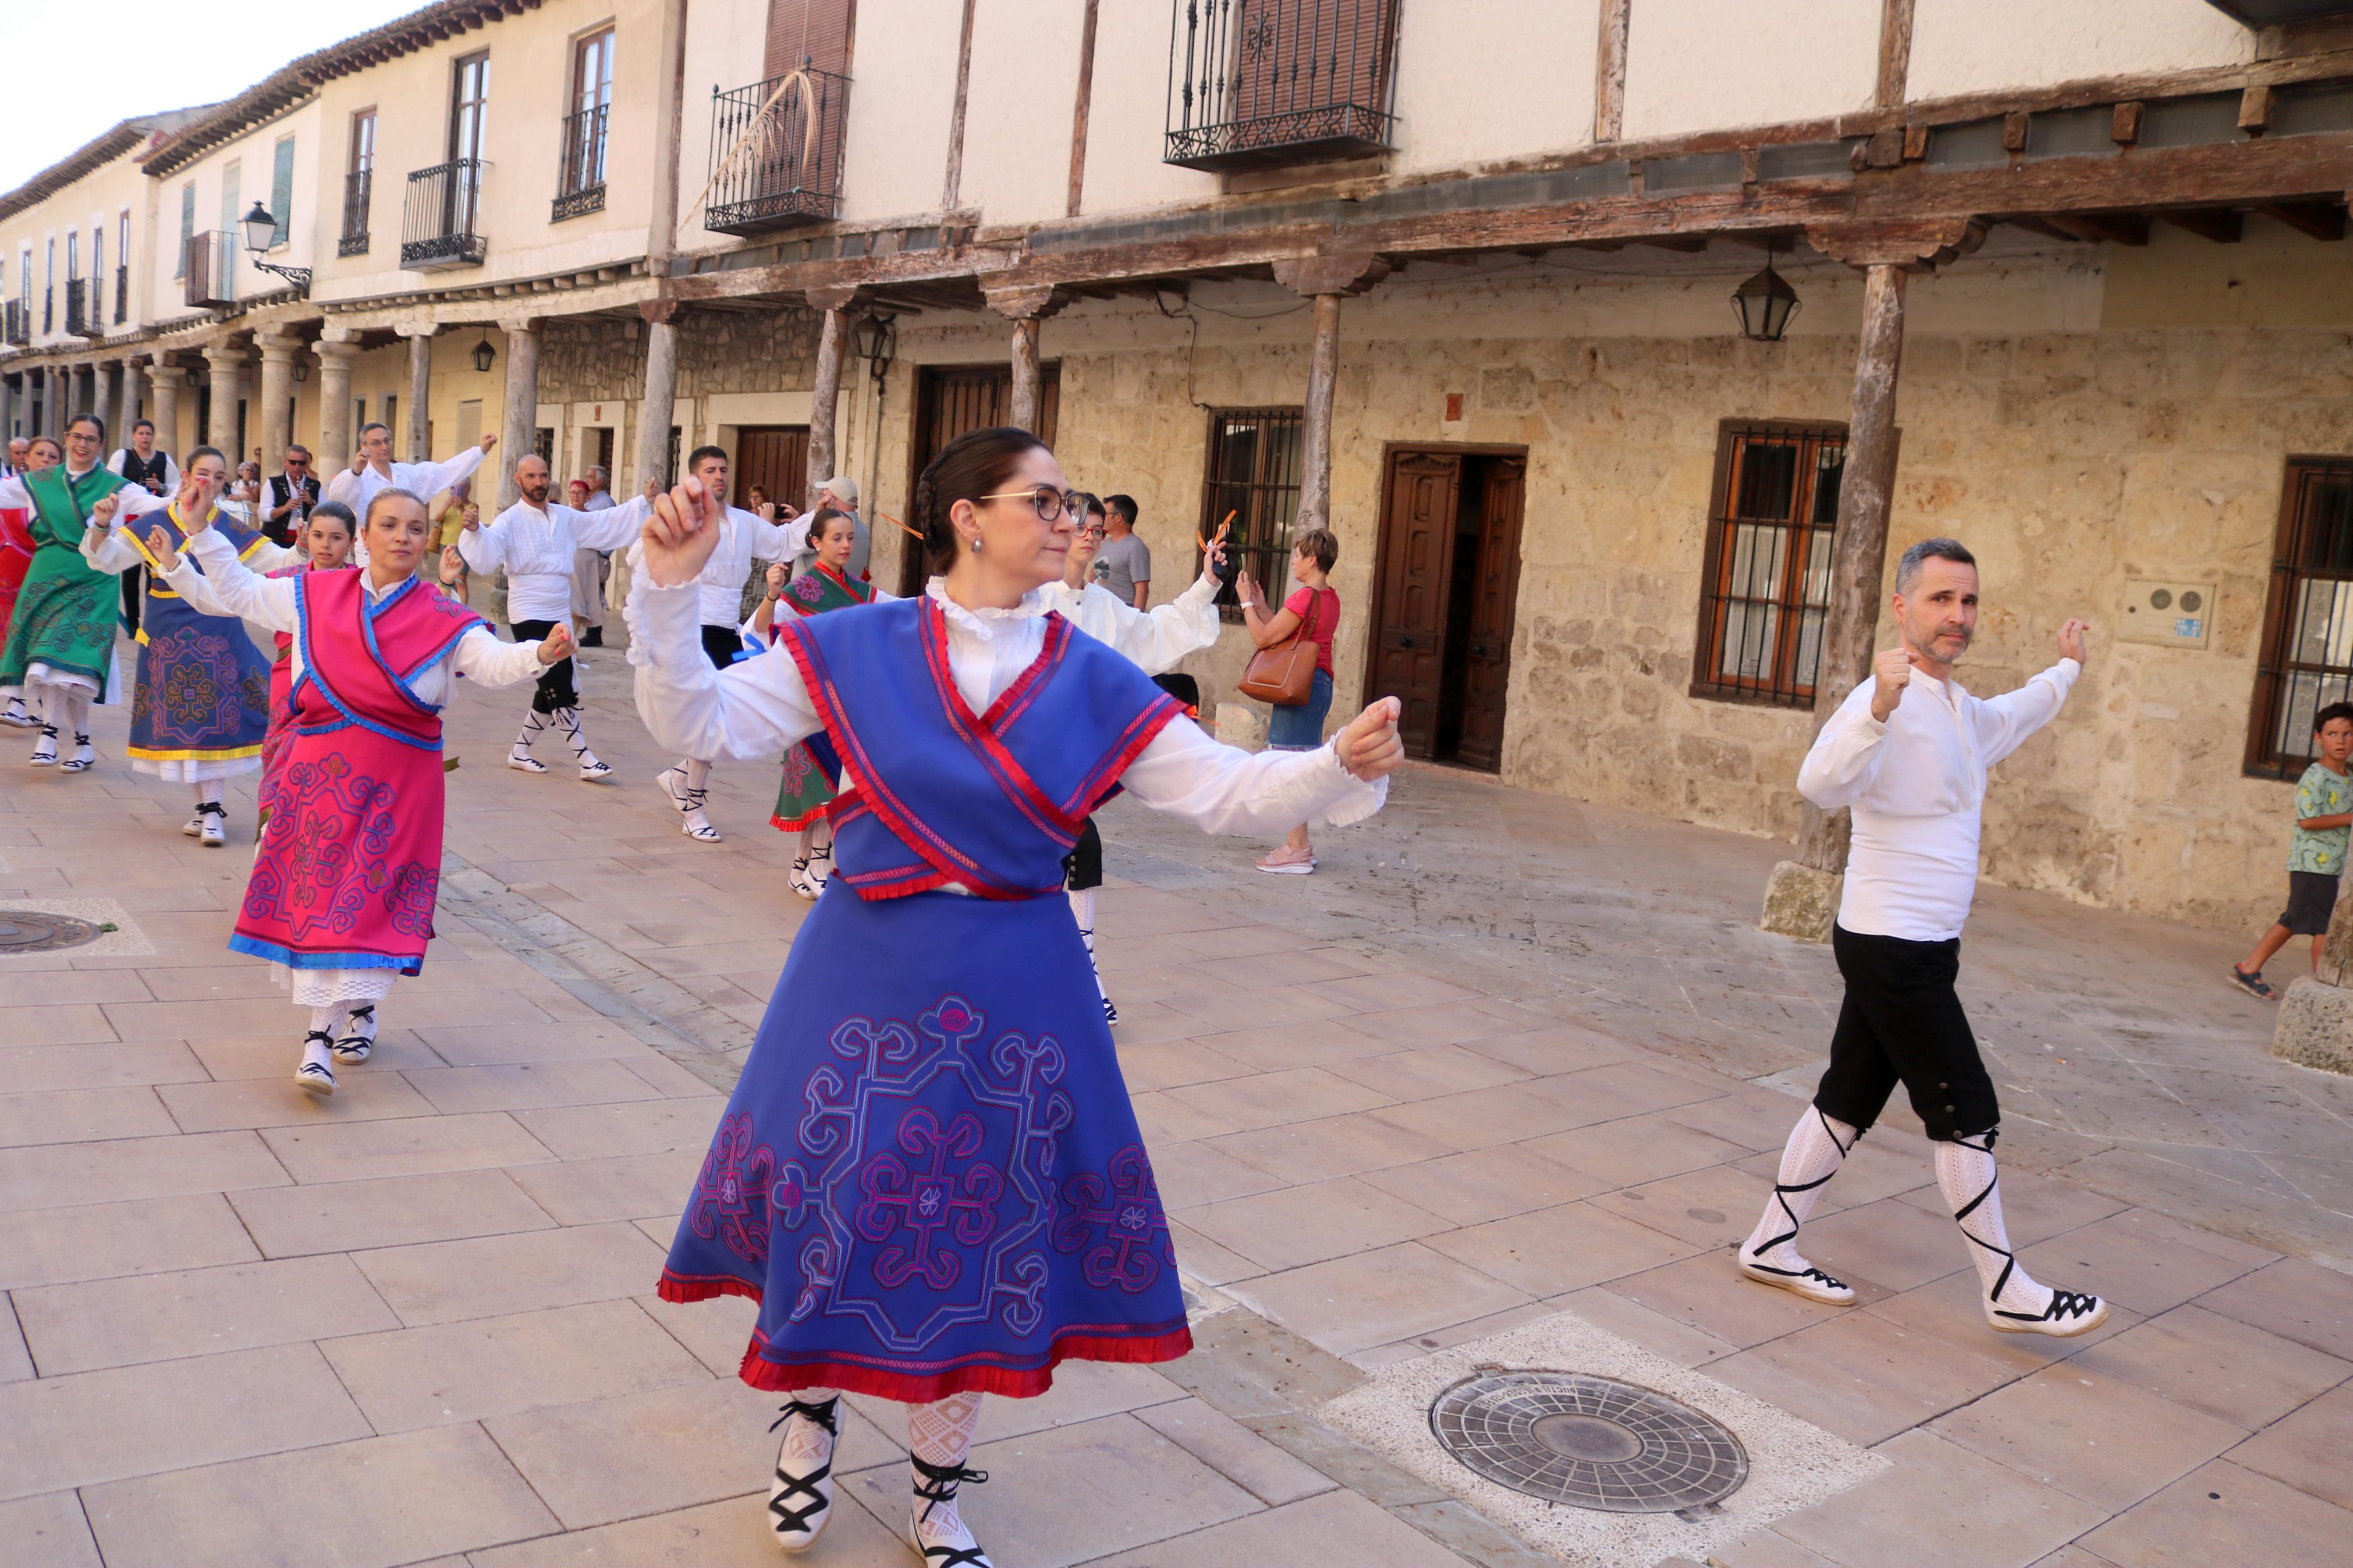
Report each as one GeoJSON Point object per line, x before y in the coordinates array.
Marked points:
{"type": "Point", "coordinates": [847, 490]}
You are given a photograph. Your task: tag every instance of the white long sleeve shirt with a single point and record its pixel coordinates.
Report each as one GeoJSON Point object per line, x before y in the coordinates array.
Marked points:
{"type": "Point", "coordinates": [130, 501]}
{"type": "Point", "coordinates": [424, 480]}
{"type": "Point", "coordinates": [1916, 786]}
{"type": "Point", "coordinates": [115, 551]}
{"type": "Point", "coordinates": [741, 537]}
{"type": "Point", "coordinates": [1154, 639]}
{"type": "Point", "coordinates": [226, 587]}
{"type": "Point", "coordinates": [758, 707]}
{"type": "Point", "coordinates": [538, 546]}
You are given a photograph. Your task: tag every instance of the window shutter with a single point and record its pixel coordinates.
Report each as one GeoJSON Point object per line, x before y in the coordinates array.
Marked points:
{"type": "Point", "coordinates": [817, 31]}
{"type": "Point", "coordinates": [188, 228]}
{"type": "Point", "coordinates": [281, 190]}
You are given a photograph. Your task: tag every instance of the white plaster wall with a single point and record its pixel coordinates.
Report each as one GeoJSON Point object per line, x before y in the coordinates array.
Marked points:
{"type": "Point", "coordinates": [727, 48]}
{"type": "Point", "coordinates": [901, 96]}
{"type": "Point", "coordinates": [1127, 116]}
{"type": "Point", "coordinates": [1975, 46]}
{"type": "Point", "coordinates": [1501, 78]}
{"type": "Point", "coordinates": [1018, 107]}
{"type": "Point", "coordinates": [1700, 65]}
{"type": "Point", "coordinates": [96, 198]}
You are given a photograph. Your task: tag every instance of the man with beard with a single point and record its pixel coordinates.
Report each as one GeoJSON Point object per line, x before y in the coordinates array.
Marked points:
{"type": "Point", "coordinates": [1908, 751]}
{"type": "Point", "coordinates": [537, 541]}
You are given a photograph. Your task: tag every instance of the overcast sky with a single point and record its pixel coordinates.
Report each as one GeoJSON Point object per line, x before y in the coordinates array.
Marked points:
{"type": "Point", "coordinates": [138, 57]}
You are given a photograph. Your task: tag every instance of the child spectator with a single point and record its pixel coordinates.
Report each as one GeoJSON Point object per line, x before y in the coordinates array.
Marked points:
{"type": "Point", "coordinates": [2315, 850]}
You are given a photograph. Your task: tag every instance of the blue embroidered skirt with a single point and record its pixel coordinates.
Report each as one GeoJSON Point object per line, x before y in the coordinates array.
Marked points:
{"type": "Point", "coordinates": [929, 1174]}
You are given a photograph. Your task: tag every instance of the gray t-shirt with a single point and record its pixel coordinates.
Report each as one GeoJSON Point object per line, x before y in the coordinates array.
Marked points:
{"type": "Point", "coordinates": [1121, 564]}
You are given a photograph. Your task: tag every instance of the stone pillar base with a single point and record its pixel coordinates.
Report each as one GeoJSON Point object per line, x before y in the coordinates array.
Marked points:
{"type": "Point", "coordinates": [1800, 902]}
{"type": "Point", "coordinates": [2315, 1026]}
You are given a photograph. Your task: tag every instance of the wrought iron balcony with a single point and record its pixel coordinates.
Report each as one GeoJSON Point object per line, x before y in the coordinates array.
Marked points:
{"type": "Point", "coordinates": [80, 312]}
{"type": "Point", "coordinates": [121, 295]}
{"type": "Point", "coordinates": [16, 325]}
{"type": "Point", "coordinates": [441, 221]}
{"type": "Point", "coordinates": [357, 187]}
{"type": "Point", "coordinates": [1254, 84]}
{"type": "Point", "coordinates": [776, 148]}
{"type": "Point", "coordinates": [211, 276]}
{"type": "Point", "coordinates": [580, 186]}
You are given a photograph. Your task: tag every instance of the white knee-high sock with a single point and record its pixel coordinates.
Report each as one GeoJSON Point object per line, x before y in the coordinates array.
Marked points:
{"type": "Point", "coordinates": [208, 790]}
{"type": "Point", "coordinates": [568, 721]}
{"type": "Point", "coordinates": [325, 1019]}
{"type": "Point", "coordinates": [534, 721]}
{"type": "Point", "coordinates": [807, 1444]}
{"type": "Point", "coordinates": [1817, 1147]}
{"type": "Point", "coordinates": [697, 773]}
{"type": "Point", "coordinates": [1083, 910]}
{"type": "Point", "coordinates": [1971, 1184]}
{"type": "Point", "coordinates": [75, 705]}
{"type": "Point", "coordinates": [940, 1434]}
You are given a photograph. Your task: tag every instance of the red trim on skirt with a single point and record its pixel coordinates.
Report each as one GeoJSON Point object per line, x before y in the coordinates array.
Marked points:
{"type": "Point", "coordinates": [1013, 1383]}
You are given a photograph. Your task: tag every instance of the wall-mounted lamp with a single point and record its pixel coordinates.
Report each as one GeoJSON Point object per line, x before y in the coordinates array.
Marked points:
{"type": "Point", "coordinates": [878, 340]}
{"type": "Point", "coordinates": [484, 355]}
{"type": "Point", "coordinates": [260, 227]}
{"type": "Point", "coordinates": [1766, 304]}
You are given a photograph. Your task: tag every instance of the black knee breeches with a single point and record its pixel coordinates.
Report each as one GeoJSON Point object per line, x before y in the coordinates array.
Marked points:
{"type": "Point", "coordinates": [1901, 1022]}
{"type": "Point", "coordinates": [556, 690]}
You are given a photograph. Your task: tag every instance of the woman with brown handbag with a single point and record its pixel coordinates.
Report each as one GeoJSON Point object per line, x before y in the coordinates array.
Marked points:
{"type": "Point", "coordinates": [1280, 672]}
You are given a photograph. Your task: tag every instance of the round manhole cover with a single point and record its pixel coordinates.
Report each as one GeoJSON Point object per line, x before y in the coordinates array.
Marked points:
{"type": "Point", "coordinates": [1591, 1442]}
{"type": "Point", "coordinates": [28, 931]}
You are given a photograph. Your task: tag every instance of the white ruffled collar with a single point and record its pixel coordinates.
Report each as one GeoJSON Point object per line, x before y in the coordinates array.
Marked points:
{"type": "Point", "coordinates": [983, 622]}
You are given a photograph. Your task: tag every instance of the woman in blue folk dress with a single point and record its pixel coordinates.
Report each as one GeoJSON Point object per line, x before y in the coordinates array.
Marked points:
{"type": "Point", "coordinates": [929, 1175]}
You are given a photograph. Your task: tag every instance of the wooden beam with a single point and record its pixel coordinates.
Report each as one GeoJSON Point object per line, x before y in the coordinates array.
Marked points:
{"type": "Point", "coordinates": [2047, 229]}
{"type": "Point", "coordinates": [1689, 244]}
{"type": "Point", "coordinates": [1609, 72]}
{"type": "Point", "coordinates": [2223, 225]}
{"type": "Point", "coordinates": [2319, 220]}
{"type": "Point", "coordinates": [1895, 52]}
{"type": "Point", "coordinates": [2124, 124]}
{"type": "Point", "coordinates": [2113, 228]}
{"type": "Point", "coordinates": [1080, 110]}
{"type": "Point", "coordinates": [952, 189]}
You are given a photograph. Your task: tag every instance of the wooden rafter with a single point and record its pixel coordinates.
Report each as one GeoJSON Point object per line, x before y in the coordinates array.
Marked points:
{"type": "Point", "coordinates": [2319, 220]}
{"type": "Point", "coordinates": [2223, 225]}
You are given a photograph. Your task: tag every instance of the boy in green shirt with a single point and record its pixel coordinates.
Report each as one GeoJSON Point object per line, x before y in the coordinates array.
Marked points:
{"type": "Point", "coordinates": [2316, 852]}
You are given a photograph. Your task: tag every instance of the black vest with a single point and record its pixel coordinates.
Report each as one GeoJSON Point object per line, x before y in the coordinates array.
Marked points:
{"type": "Point", "coordinates": [139, 473]}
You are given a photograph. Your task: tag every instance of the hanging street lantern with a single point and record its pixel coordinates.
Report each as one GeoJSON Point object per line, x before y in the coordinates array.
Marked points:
{"type": "Point", "coordinates": [877, 338]}
{"type": "Point", "coordinates": [483, 356]}
{"type": "Point", "coordinates": [260, 227]}
{"type": "Point", "coordinates": [1765, 305]}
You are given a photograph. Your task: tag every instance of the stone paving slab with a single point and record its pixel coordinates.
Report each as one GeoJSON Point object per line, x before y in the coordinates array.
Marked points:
{"type": "Point", "coordinates": [1469, 1077]}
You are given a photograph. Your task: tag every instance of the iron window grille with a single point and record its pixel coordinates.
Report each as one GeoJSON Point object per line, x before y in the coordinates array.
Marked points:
{"type": "Point", "coordinates": [787, 170]}
{"type": "Point", "coordinates": [1765, 588]}
{"type": "Point", "coordinates": [1254, 468]}
{"type": "Point", "coordinates": [358, 186]}
{"type": "Point", "coordinates": [16, 325]}
{"type": "Point", "coordinates": [2306, 659]}
{"type": "Point", "coordinates": [208, 280]}
{"type": "Point", "coordinates": [1256, 83]}
{"type": "Point", "coordinates": [440, 222]}
{"type": "Point", "coordinates": [78, 324]}
{"type": "Point", "coordinates": [122, 294]}
{"type": "Point", "coordinates": [581, 188]}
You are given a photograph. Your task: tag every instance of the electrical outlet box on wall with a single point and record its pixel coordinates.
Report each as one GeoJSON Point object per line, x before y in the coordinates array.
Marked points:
{"type": "Point", "coordinates": [2167, 614]}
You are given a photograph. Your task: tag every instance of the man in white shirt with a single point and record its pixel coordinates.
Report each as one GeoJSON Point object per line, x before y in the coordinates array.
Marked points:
{"type": "Point", "coordinates": [538, 542]}
{"type": "Point", "coordinates": [1907, 752]}
{"type": "Point", "coordinates": [720, 586]}
{"type": "Point", "coordinates": [373, 469]}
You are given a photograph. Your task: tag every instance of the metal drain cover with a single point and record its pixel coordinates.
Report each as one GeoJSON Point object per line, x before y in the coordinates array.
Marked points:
{"type": "Point", "coordinates": [1589, 1442]}
{"type": "Point", "coordinates": [29, 931]}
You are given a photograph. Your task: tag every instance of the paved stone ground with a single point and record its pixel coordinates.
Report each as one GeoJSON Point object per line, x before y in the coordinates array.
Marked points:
{"type": "Point", "coordinates": [1399, 1105]}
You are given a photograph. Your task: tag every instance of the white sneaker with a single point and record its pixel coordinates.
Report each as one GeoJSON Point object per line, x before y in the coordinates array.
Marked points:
{"type": "Point", "coordinates": [1806, 1280]}
{"type": "Point", "coordinates": [314, 1074]}
{"type": "Point", "coordinates": [523, 762]}
{"type": "Point", "coordinates": [800, 1499]}
{"type": "Point", "coordinates": [45, 750]}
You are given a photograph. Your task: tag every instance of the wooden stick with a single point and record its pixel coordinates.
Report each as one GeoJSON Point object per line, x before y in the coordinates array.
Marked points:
{"type": "Point", "coordinates": [911, 532]}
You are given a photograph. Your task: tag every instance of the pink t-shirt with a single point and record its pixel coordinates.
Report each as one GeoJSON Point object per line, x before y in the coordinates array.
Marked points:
{"type": "Point", "coordinates": [1319, 613]}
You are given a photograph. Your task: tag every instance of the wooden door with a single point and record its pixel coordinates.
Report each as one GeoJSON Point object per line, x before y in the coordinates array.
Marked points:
{"type": "Point", "coordinates": [775, 459]}
{"type": "Point", "coordinates": [1494, 591]}
{"type": "Point", "coordinates": [1417, 564]}
{"type": "Point", "coordinates": [955, 400]}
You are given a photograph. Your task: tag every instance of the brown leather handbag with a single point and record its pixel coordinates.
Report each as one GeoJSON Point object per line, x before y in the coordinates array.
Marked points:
{"type": "Point", "coordinates": [1285, 673]}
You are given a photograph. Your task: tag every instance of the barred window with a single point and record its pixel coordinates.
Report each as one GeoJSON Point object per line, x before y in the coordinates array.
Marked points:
{"type": "Point", "coordinates": [1253, 474]}
{"type": "Point", "coordinates": [1764, 589]}
{"type": "Point", "coordinates": [2306, 659]}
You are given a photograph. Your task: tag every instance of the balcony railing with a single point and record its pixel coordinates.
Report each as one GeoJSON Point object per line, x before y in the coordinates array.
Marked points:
{"type": "Point", "coordinates": [211, 279]}
{"type": "Point", "coordinates": [1257, 83]}
{"type": "Point", "coordinates": [16, 324]}
{"type": "Point", "coordinates": [580, 186]}
{"type": "Point", "coordinates": [440, 224]}
{"type": "Point", "coordinates": [79, 309]}
{"type": "Point", "coordinates": [781, 160]}
{"type": "Point", "coordinates": [356, 189]}
{"type": "Point", "coordinates": [121, 295]}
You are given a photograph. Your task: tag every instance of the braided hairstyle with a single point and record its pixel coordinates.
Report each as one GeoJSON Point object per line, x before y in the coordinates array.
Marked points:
{"type": "Point", "coordinates": [976, 464]}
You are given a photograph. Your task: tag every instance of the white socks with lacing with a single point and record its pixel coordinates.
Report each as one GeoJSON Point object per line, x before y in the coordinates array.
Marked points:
{"type": "Point", "coordinates": [534, 724]}
{"type": "Point", "coordinates": [1817, 1146]}
{"type": "Point", "coordinates": [568, 721]}
{"type": "Point", "coordinates": [1972, 1188]}
{"type": "Point", "coordinates": [939, 1439]}
{"type": "Point", "coordinates": [697, 774]}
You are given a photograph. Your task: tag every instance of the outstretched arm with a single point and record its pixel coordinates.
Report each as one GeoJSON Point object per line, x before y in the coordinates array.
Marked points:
{"type": "Point", "coordinates": [1221, 789]}
{"type": "Point", "coordinates": [227, 586]}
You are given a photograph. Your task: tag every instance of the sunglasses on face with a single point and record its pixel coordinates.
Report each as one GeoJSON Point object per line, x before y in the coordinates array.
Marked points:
{"type": "Point", "coordinates": [1049, 503]}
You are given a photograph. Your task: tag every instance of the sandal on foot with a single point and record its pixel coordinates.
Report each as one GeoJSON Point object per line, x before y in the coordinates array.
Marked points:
{"type": "Point", "coordinates": [2070, 1314]}
{"type": "Point", "coordinates": [800, 1503]}
{"type": "Point", "coordinates": [2253, 984]}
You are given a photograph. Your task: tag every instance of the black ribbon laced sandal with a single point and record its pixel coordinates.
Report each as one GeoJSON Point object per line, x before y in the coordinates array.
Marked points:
{"type": "Point", "coordinates": [797, 1523]}
{"type": "Point", "coordinates": [316, 1077]}
{"type": "Point", "coordinates": [938, 1486]}
{"type": "Point", "coordinates": [355, 1045]}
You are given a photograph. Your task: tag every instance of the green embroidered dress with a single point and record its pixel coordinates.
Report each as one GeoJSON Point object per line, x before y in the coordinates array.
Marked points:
{"type": "Point", "coordinates": [63, 631]}
{"type": "Point", "coordinates": [807, 788]}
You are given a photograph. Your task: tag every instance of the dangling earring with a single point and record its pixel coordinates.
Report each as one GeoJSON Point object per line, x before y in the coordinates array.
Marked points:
{"type": "Point", "coordinates": [976, 545]}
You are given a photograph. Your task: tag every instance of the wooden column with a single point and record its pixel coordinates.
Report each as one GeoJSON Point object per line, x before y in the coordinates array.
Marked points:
{"type": "Point", "coordinates": [519, 408]}
{"type": "Point", "coordinates": [825, 398]}
{"type": "Point", "coordinates": [1326, 279]}
{"type": "Point", "coordinates": [335, 431]}
{"type": "Point", "coordinates": [227, 375]}
{"type": "Point", "coordinates": [1027, 305]}
{"type": "Point", "coordinates": [277, 398]}
{"type": "Point", "coordinates": [420, 444]}
{"type": "Point", "coordinates": [1801, 900]}
{"type": "Point", "coordinates": [1609, 71]}
{"type": "Point", "coordinates": [660, 399]}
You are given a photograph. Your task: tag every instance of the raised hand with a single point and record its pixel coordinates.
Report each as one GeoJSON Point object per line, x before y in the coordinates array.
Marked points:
{"type": "Point", "coordinates": [489, 439]}
{"type": "Point", "coordinates": [777, 575]}
{"type": "Point", "coordinates": [682, 531]}
{"type": "Point", "coordinates": [1890, 672]}
{"type": "Point", "coordinates": [2071, 640]}
{"type": "Point", "coordinates": [557, 645]}
{"type": "Point", "coordinates": [453, 566]}
{"type": "Point", "coordinates": [159, 545]}
{"type": "Point", "coordinates": [472, 517]}
{"type": "Point", "coordinates": [102, 516]}
{"type": "Point", "coordinates": [1369, 747]}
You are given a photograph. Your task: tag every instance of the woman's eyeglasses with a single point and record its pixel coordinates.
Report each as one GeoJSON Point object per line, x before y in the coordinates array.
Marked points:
{"type": "Point", "coordinates": [1051, 503]}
